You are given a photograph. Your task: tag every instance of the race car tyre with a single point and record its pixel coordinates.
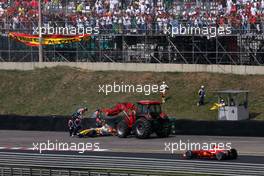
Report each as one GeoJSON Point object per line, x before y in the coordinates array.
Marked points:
{"type": "Point", "coordinates": [220, 156]}
{"type": "Point", "coordinates": [92, 133]}
{"type": "Point", "coordinates": [80, 135]}
{"type": "Point", "coordinates": [122, 129]}
{"type": "Point", "coordinates": [143, 128]}
{"type": "Point", "coordinates": [165, 128]}
{"type": "Point", "coordinates": [233, 154]}
{"type": "Point", "coordinates": [188, 154]}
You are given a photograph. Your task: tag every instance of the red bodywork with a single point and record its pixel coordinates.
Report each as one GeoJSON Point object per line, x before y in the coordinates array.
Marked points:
{"type": "Point", "coordinates": [206, 153]}
{"type": "Point", "coordinates": [129, 110]}
{"type": "Point", "coordinates": [142, 119]}
{"type": "Point", "coordinates": [214, 153]}
{"type": "Point", "coordinates": [148, 102]}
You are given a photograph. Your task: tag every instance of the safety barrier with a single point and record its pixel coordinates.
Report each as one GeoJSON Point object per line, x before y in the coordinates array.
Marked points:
{"type": "Point", "coordinates": [179, 126]}
{"type": "Point", "coordinates": [219, 128]}
{"type": "Point", "coordinates": [46, 171]}
{"type": "Point", "coordinates": [139, 67]}
{"type": "Point", "coordinates": [38, 123]}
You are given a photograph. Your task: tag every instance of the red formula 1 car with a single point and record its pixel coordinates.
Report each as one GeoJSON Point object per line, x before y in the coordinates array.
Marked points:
{"type": "Point", "coordinates": [211, 154]}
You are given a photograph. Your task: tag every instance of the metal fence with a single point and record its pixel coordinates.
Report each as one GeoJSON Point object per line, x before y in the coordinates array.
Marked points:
{"type": "Point", "coordinates": [137, 48]}
{"type": "Point", "coordinates": [42, 171]}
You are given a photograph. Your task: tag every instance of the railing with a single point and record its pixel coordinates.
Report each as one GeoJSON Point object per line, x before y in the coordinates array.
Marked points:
{"type": "Point", "coordinates": [187, 57]}
{"type": "Point", "coordinates": [8, 170]}
{"type": "Point", "coordinates": [138, 29]}
{"type": "Point", "coordinates": [244, 49]}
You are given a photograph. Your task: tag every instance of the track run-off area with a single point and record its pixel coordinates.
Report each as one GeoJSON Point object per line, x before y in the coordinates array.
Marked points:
{"type": "Point", "coordinates": [113, 153]}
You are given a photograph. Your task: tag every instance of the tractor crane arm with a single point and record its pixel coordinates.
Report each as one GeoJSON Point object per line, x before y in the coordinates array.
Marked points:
{"type": "Point", "coordinates": [120, 107]}
{"type": "Point", "coordinates": [127, 108]}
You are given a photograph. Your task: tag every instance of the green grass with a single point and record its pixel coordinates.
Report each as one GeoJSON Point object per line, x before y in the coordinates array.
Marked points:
{"type": "Point", "coordinates": [60, 90]}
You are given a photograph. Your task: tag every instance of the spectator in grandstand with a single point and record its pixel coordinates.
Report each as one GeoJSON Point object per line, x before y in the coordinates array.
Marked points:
{"type": "Point", "coordinates": [1, 9]}
{"type": "Point", "coordinates": [116, 15]}
{"type": "Point", "coordinates": [159, 24]}
{"type": "Point", "coordinates": [127, 23]}
{"type": "Point", "coordinates": [141, 23]}
{"type": "Point", "coordinates": [80, 8]}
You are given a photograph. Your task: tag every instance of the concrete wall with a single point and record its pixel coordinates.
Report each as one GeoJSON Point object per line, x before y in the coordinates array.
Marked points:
{"type": "Point", "coordinates": [234, 69]}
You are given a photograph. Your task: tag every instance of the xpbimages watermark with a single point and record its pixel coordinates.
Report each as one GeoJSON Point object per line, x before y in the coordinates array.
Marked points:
{"type": "Point", "coordinates": [147, 89]}
{"type": "Point", "coordinates": [208, 31]}
{"type": "Point", "coordinates": [80, 147]}
{"type": "Point", "coordinates": [173, 147]}
{"type": "Point", "coordinates": [50, 30]}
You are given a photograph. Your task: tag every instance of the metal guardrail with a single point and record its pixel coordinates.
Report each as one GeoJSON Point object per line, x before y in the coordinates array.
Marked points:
{"type": "Point", "coordinates": [234, 50]}
{"type": "Point", "coordinates": [44, 171]}
{"type": "Point", "coordinates": [61, 165]}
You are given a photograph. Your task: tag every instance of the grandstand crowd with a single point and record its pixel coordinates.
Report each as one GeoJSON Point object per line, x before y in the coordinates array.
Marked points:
{"type": "Point", "coordinates": [134, 16]}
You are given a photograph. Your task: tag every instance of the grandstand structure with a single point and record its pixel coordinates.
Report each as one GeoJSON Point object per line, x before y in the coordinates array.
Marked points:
{"type": "Point", "coordinates": [139, 31]}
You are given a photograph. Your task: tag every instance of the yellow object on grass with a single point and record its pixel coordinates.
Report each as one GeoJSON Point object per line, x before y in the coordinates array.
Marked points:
{"type": "Point", "coordinates": [215, 106]}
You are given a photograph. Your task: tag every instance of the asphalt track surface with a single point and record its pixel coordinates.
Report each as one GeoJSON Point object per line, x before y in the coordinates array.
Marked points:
{"type": "Point", "coordinates": [16, 148]}
{"type": "Point", "coordinates": [245, 145]}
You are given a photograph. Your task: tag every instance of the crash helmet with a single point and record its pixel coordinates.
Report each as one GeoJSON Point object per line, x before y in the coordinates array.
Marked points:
{"type": "Point", "coordinates": [202, 86]}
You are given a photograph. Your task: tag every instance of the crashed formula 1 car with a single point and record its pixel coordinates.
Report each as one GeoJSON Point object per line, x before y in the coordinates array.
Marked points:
{"type": "Point", "coordinates": [214, 153]}
{"type": "Point", "coordinates": [105, 130]}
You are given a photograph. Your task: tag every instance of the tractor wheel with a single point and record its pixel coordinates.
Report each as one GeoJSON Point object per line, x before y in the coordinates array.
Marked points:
{"type": "Point", "coordinates": [122, 129]}
{"type": "Point", "coordinates": [143, 128]}
{"type": "Point", "coordinates": [220, 156]}
{"type": "Point", "coordinates": [188, 154]}
{"type": "Point", "coordinates": [165, 128]}
{"type": "Point", "coordinates": [233, 154]}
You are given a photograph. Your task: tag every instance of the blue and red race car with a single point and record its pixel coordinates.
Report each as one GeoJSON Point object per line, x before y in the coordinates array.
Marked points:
{"type": "Point", "coordinates": [214, 153]}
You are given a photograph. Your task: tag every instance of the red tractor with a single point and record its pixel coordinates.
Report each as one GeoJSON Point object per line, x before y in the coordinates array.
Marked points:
{"type": "Point", "coordinates": [142, 120]}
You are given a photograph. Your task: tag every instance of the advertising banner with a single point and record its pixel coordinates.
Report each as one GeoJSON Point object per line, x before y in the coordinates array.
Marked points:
{"type": "Point", "coordinates": [33, 40]}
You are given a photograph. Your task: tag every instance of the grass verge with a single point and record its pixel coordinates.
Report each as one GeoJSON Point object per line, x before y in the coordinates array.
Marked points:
{"type": "Point", "coordinates": [60, 90]}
